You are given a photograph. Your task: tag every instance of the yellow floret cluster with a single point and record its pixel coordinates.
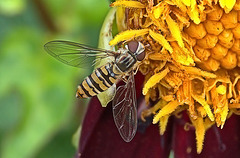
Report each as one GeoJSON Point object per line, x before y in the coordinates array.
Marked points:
{"type": "Point", "coordinates": [193, 58]}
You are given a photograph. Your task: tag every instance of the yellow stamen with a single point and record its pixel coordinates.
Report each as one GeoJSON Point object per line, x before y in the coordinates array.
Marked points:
{"type": "Point", "coordinates": [205, 106]}
{"type": "Point", "coordinates": [128, 4]}
{"type": "Point", "coordinates": [163, 124]}
{"type": "Point", "coordinates": [197, 71]}
{"type": "Point", "coordinates": [175, 30]}
{"type": "Point", "coordinates": [153, 109]}
{"type": "Point", "coordinates": [186, 2]}
{"type": "Point", "coordinates": [181, 5]}
{"type": "Point", "coordinates": [182, 55]}
{"type": "Point", "coordinates": [224, 114]}
{"type": "Point", "coordinates": [166, 110]}
{"type": "Point", "coordinates": [154, 80]}
{"type": "Point", "coordinates": [126, 35]}
{"type": "Point", "coordinates": [161, 40]}
{"type": "Point", "coordinates": [201, 111]}
{"type": "Point", "coordinates": [227, 4]}
{"type": "Point", "coordinates": [194, 13]}
{"type": "Point", "coordinates": [160, 10]}
{"type": "Point", "coordinates": [200, 132]}
{"type": "Point", "coordinates": [157, 11]}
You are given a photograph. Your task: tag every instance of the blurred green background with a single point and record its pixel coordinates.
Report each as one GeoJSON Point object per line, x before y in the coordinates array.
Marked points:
{"type": "Point", "coordinates": [38, 109]}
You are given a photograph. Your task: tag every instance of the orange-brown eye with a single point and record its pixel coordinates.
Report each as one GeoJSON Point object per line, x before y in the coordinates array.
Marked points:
{"type": "Point", "coordinates": [141, 56]}
{"type": "Point", "coordinates": [133, 46]}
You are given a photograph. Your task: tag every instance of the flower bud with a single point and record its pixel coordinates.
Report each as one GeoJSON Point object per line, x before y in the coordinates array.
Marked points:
{"type": "Point", "coordinates": [210, 64]}
{"type": "Point", "coordinates": [196, 31]}
{"type": "Point", "coordinates": [236, 47]}
{"type": "Point", "coordinates": [226, 38]}
{"type": "Point", "coordinates": [216, 14]}
{"type": "Point", "coordinates": [213, 27]}
{"type": "Point", "coordinates": [229, 20]}
{"type": "Point", "coordinates": [201, 53]}
{"type": "Point", "coordinates": [236, 31]}
{"type": "Point", "coordinates": [218, 52]}
{"type": "Point", "coordinates": [229, 61]}
{"type": "Point", "coordinates": [209, 41]}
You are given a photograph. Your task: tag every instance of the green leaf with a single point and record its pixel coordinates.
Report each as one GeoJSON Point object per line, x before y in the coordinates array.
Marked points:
{"type": "Point", "coordinates": [46, 94]}
{"type": "Point", "coordinates": [12, 7]}
{"type": "Point", "coordinates": [37, 93]}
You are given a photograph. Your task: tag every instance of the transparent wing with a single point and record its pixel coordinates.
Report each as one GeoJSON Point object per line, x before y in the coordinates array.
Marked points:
{"type": "Point", "coordinates": [124, 109]}
{"type": "Point", "coordinates": [75, 54]}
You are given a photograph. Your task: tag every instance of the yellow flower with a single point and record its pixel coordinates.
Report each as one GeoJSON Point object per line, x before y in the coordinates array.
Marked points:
{"type": "Point", "coordinates": [193, 60]}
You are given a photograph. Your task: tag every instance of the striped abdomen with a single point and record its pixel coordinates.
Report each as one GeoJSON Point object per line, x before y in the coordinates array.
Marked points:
{"type": "Point", "coordinates": [100, 80]}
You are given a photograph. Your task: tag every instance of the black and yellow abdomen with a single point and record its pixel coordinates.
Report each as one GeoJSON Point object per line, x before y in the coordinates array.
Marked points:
{"type": "Point", "coordinates": [100, 80]}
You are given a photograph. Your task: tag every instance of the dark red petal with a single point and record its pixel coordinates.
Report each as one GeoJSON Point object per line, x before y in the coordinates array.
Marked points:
{"type": "Point", "coordinates": [100, 137]}
{"type": "Point", "coordinates": [220, 143]}
{"type": "Point", "coordinates": [105, 141]}
{"type": "Point", "coordinates": [182, 139]}
{"type": "Point", "coordinates": [91, 119]}
{"type": "Point", "coordinates": [95, 111]}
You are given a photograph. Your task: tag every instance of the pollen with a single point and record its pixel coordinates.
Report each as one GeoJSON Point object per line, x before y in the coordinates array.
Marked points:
{"type": "Point", "coordinates": [221, 89]}
{"type": "Point", "coordinates": [192, 59]}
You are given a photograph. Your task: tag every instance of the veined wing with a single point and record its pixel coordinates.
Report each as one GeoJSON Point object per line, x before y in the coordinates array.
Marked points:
{"type": "Point", "coordinates": [124, 109]}
{"type": "Point", "coordinates": [75, 54]}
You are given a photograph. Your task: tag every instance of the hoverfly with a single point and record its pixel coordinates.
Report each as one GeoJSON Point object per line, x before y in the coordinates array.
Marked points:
{"type": "Point", "coordinates": [126, 60]}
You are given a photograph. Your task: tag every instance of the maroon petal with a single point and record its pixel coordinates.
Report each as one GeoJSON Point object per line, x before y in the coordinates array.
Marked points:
{"type": "Point", "coordinates": [105, 141]}
{"type": "Point", "coordinates": [220, 143]}
{"type": "Point", "coordinates": [91, 119]}
{"type": "Point", "coordinates": [100, 137]}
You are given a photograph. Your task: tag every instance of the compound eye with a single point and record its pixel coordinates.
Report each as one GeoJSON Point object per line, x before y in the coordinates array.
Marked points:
{"type": "Point", "coordinates": [133, 46]}
{"type": "Point", "coordinates": [141, 56]}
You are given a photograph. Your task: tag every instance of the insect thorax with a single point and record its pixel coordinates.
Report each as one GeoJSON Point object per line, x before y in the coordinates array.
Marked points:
{"type": "Point", "coordinates": [125, 61]}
